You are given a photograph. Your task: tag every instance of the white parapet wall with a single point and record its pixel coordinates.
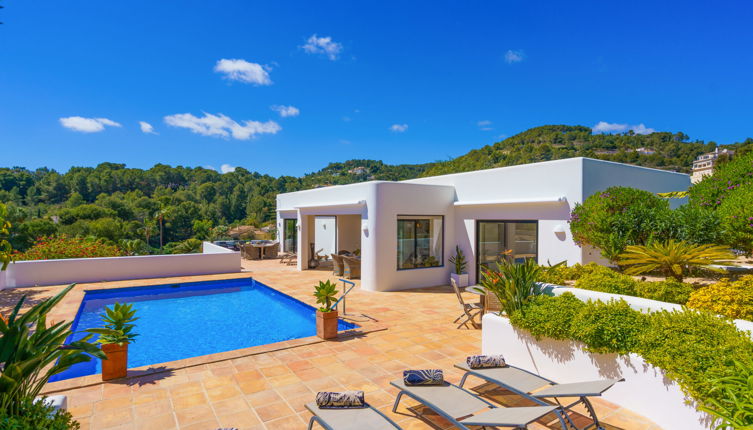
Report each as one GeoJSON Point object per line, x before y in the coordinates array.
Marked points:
{"type": "Point", "coordinates": [213, 259]}
{"type": "Point", "coordinates": [646, 390]}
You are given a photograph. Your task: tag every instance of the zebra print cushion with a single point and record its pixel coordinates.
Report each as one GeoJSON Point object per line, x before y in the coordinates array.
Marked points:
{"type": "Point", "coordinates": [485, 361]}
{"type": "Point", "coordinates": [423, 377]}
{"type": "Point", "coordinates": [345, 399]}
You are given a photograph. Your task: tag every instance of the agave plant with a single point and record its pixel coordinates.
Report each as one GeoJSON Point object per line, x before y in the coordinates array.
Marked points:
{"type": "Point", "coordinates": [325, 293]}
{"type": "Point", "coordinates": [513, 283]}
{"type": "Point", "coordinates": [32, 352]}
{"type": "Point", "coordinates": [671, 258]}
{"type": "Point", "coordinates": [733, 407]}
{"type": "Point", "coordinates": [118, 328]}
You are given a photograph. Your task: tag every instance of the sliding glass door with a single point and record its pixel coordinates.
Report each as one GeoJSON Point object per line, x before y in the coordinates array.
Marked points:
{"type": "Point", "coordinates": [290, 234]}
{"type": "Point", "coordinates": [514, 241]}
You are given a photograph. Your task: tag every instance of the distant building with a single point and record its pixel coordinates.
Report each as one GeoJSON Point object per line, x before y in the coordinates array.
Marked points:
{"type": "Point", "coordinates": [358, 170]}
{"type": "Point", "coordinates": [704, 164]}
{"type": "Point", "coordinates": [645, 151]}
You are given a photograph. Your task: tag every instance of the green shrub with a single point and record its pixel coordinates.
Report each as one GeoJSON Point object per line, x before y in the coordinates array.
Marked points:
{"type": "Point", "coordinates": [736, 214]}
{"type": "Point", "coordinates": [607, 280]}
{"type": "Point", "coordinates": [669, 290]}
{"type": "Point", "coordinates": [513, 283]}
{"type": "Point", "coordinates": [726, 180]}
{"type": "Point", "coordinates": [608, 327]}
{"type": "Point", "coordinates": [37, 416]}
{"type": "Point", "coordinates": [694, 348]}
{"type": "Point", "coordinates": [734, 407]}
{"type": "Point", "coordinates": [732, 299]}
{"type": "Point", "coordinates": [546, 316]}
{"type": "Point", "coordinates": [617, 217]}
{"type": "Point", "coordinates": [559, 274]}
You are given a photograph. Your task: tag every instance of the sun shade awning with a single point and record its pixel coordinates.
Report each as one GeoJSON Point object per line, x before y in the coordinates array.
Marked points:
{"type": "Point", "coordinates": [530, 200]}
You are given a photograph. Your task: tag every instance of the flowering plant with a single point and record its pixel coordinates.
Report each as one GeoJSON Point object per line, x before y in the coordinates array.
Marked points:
{"type": "Point", "coordinates": [60, 247]}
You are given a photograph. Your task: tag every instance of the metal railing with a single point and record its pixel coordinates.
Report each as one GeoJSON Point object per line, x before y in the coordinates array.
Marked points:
{"type": "Point", "coordinates": [342, 298]}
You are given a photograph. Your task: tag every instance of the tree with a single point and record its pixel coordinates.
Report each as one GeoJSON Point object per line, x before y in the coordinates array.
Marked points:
{"type": "Point", "coordinates": [147, 229]}
{"type": "Point", "coordinates": [160, 216]}
{"type": "Point", "coordinates": [672, 258]}
{"type": "Point", "coordinates": [6, 251]}
{"type": "Point", "coordinates": [202, 229]}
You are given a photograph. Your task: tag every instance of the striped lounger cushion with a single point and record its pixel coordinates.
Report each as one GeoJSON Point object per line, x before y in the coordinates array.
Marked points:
{"type": "Point", "coordinates": [485, 361]}
{"type": "Point", "coordinates": [344, 399]}
{"type": "Point", "coordinates": [423, 377]}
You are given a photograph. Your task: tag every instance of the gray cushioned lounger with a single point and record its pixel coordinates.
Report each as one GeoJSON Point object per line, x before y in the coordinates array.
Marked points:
{"type": "Point", "coordinates": [535, 387]}
{"type": "Point", "coordinates": [459, 405]}
{"type": "Point", "coordinates": [366, 418]}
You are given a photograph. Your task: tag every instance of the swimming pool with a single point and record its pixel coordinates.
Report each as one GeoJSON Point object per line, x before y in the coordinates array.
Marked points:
{"type": "Point", "coordinates": [188, 320]}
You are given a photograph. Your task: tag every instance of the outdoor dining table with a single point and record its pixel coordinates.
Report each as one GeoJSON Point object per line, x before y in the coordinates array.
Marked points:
{"type": "Point", "coordinates": [478, 290]}
{"type": "Point", "coordinates": [262, 247]}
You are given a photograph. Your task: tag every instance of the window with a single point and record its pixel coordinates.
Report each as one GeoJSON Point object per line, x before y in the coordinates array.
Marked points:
{"type": "Point", "coordinates": [290, 234]}
{"type": "Point", "coordinates": [419, 242]}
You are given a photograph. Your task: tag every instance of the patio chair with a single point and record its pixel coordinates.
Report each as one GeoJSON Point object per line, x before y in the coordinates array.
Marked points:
{"type": "Point", "coordinates": [251, 252]}
{"type": "Point", "coordinates": [529, 385]}
{"type": "Point", "coordinates": [350, 418]}
{"type": "Point", "coordinates": [470, 310]}
{"type": "Point", "coordinates": [289, 258]}
{"type": "Point", "coordinates": [337, 265]}
{"type": "Point", "coordinates": [352, 267]}
{"type": "Point", "coordinates": [461, 407]}
{"type": "Point", "coordinates": [271, 251]}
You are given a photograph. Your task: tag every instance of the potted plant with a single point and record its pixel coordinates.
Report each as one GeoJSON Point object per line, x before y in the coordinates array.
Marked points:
{"type": "Point", "coordinates": [458, 260]}
{"type": "Point", "coordinates": [114, 338]}
{"type": "Point", "coordinates": [326, 317]}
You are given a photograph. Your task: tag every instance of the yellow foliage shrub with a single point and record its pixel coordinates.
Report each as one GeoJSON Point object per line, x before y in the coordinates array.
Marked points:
{"type": "Point", "coordinates": [732, 299]}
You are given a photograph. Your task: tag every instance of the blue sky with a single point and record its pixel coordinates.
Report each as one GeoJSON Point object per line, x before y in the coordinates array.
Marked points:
{"type": "Point", "coordinates": [404, 82]}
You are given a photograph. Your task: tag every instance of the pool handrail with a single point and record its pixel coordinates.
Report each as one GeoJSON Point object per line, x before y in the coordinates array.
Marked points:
{"type": "Point", "coordinates": [342, 298]}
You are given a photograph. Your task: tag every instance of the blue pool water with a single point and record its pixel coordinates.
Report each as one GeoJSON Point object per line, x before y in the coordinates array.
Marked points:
{"type": "Point", "coordinates": [188, 320]}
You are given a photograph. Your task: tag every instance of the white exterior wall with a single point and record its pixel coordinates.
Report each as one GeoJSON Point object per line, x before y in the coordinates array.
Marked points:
{"type": "Point", "coordinates": [214, 259]}
{"type": "Point", "coordinates": [560, 178]}
{"type": "Point", "coordinates": [545, 192]}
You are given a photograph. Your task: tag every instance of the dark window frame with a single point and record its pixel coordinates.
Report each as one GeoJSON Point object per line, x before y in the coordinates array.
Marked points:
{"type": "Point", "coordinates": [416, 218]}
{"type": "Point", "coordinates": [284, 234]}
{"type": "Point", "coordinates": [478, 245]}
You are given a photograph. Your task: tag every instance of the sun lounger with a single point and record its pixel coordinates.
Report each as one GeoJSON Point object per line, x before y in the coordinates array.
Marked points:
{"type": "Point", "coordinates": [463, 408]}
{"type": "Point", "coordinates": [536, 388]}
{"type": "Point", "coordinates": [367, 418]}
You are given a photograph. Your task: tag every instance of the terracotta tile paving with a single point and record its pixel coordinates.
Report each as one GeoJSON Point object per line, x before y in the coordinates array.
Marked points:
{"type": "Point", "coordinates": [266, 388]}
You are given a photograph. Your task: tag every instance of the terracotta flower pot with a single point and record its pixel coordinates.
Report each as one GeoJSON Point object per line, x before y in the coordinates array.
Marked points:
{"type": "Point", "coordinates": [116, 365]}
{"type": "Point", "coordinates": [326, 324]}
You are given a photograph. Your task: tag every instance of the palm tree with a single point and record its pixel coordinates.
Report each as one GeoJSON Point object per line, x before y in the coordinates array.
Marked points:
{"type": "Point", "coordinates": [160, 215]}
{"type": "Point", "coordinates": [672, 258]}
{"type": "Point", "coordinates": [147, 229]}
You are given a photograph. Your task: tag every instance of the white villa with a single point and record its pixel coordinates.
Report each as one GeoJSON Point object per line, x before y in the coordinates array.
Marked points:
{"type": "Point", "coordinates": [407, 230]}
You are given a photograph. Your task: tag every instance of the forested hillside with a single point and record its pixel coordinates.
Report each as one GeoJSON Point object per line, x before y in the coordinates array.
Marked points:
{"type": "Point", "coordinates": [116, 203]}
{"type": "Point", "coordinates": [662, 150]}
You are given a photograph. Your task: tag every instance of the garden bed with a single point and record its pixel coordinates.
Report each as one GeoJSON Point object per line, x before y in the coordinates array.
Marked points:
{"type": "Point", "coordinates": [647, 390]}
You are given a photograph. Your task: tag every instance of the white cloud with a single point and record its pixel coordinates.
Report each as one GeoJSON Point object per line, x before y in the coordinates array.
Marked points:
{"type": "Point", "coordinates": [226, 168]}
{"type": "Point", "coordinates": [87, 125]}
{"type": "Point", "coordinates": [485, 125]}
{"type": "Point", "coordinates": [512, 56]}
{"type": "Point", "coordinates": [398, 128]}
{"type": "Point", "coordinates": [286, 111]}
{"type": "Point", "coordinates": [221, 125]}
{"type": "Point", "coordinates": [243, 71]}
{"type": "Point", "coordinates": [323, 45]}
{"type": "Point", "coordinates": [607, 127]}
{"type": "Point", "coordinates": [146, 127]}
{"type": "Point", "coordinates": [641, 129]}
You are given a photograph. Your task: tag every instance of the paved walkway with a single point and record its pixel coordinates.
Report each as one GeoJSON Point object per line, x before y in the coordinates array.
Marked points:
{"type": "Point", "coordinates": [267, 390]}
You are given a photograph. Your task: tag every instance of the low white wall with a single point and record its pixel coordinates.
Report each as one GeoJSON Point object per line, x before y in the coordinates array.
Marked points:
{"type": "Point", "coordinates": [645, 391]}
{"type": "Point", "coordinates": [214, 259]}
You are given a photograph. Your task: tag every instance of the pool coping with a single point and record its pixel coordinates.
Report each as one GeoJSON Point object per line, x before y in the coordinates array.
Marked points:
{"type": "Point", "coordinates": [365, 327]}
